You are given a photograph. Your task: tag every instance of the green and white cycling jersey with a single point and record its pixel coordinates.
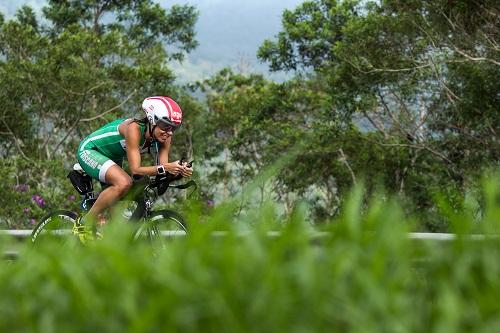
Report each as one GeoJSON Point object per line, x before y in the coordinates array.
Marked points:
{"type": "Point", "coordinates": [105, 148]}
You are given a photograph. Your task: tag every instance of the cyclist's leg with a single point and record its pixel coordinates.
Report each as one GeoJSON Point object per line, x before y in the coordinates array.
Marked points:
{"type": "Point", "coordinates": [102, 168]}
{"type": "Point", "coordinates": [119, 184]}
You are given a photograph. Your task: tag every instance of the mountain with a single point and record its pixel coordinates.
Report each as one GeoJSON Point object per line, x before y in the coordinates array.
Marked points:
{"type": "Point", "coordinates": [229, 33]}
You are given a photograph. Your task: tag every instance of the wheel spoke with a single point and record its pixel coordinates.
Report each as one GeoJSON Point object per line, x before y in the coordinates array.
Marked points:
{"type": "Point", "coordinates": [162, 226]}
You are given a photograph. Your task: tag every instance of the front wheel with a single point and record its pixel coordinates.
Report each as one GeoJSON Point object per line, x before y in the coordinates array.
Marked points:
{"type": "Point", "coordinates": [54, 225]}
{"type": "Point", "coordinates": [162, 225]}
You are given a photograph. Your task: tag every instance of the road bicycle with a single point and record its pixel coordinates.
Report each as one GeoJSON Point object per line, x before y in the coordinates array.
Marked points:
{"type": "Point", "coordinates": [150, 224]}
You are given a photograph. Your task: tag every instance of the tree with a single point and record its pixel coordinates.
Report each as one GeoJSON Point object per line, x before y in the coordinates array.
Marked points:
{"type": "Point", "coordinates": [423, 74]}
{"type": "Point", "coordinates": [92, 61]}
{"type": "Point", "coordinates": [252, 122]}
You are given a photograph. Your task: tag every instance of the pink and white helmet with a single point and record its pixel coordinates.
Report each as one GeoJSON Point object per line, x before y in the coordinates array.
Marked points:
{"type": "Point", "coordinates": [162, 109]}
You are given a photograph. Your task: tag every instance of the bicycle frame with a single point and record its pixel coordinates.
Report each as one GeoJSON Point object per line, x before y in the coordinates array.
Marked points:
{"type": "Point", "coordinates": [144, 191]}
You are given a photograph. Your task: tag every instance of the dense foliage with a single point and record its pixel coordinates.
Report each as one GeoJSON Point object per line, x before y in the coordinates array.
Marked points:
{"type": "Point", "coordinates": [401, 94]}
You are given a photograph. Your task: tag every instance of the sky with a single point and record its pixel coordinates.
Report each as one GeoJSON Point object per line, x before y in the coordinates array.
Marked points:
{"type": "Point", "coordinates": [229, 33]}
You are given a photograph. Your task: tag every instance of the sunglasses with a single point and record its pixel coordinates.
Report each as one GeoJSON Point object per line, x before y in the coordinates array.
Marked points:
{"type": "Point", "coordinates": [166, 127]}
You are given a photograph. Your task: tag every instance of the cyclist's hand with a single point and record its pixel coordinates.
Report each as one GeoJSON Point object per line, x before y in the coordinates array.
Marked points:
{"type": "Point", "coordinates": [174, 168]}
{"type": "Point", "coordinates": [187, 171]}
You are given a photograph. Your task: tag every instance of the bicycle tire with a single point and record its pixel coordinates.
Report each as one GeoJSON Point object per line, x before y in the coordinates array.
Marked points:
{"type": "Point", "coordinates": [160, 224]}
{"type": "Point", "coordinates": [53, 224]}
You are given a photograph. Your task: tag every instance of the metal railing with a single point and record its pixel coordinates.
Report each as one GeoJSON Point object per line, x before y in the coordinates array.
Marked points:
{"type": "Point", "coordinates": [319, 234]}
{"type": "Point", "coordinates": [21, 235]}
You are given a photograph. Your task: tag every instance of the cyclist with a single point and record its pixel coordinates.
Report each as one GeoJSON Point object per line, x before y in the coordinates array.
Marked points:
{"type": "Point", "coordinates": [101, 153]}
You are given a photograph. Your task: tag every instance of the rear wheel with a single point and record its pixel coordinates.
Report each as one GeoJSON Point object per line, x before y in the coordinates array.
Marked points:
{"type": "Point", "coordinates": [54, 225]}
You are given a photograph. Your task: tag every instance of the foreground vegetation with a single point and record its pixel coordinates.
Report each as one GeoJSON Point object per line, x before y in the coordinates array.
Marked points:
{"type": "Point", "coordinates": [365, 275]}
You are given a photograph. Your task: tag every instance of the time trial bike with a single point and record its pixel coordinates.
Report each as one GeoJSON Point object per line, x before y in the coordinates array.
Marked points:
{"type": "Point", "coordinates": [151, 224]}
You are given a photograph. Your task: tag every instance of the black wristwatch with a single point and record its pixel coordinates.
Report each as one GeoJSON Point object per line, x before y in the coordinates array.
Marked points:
{"type": "Point", "coordinates": [160, 169]}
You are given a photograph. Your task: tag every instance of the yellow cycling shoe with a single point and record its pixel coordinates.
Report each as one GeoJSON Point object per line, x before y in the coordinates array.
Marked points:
{"type": "Point", "coordinates": [83, 232]}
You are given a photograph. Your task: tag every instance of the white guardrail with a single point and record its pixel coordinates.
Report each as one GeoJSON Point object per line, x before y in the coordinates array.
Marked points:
{"type": "Point", "coordinates": [319, 234]}
{"type": "Point", "coordinates": [21, 234]}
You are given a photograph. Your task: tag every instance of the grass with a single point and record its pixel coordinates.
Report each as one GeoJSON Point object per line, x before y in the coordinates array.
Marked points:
{"type": "Point", "coordinates": [367, 276]}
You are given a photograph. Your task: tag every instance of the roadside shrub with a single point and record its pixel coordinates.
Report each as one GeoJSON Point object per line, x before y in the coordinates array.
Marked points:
{"type": "Point", "coordinates": [362, 274]}
{"type": "Point", "coordinates": [29, 192]}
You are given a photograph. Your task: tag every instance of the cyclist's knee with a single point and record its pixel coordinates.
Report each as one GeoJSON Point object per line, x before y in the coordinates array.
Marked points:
{"type": "Point", "coordinates": [123, 185]}
{"type": "Point", "coordinates": [119, 180]}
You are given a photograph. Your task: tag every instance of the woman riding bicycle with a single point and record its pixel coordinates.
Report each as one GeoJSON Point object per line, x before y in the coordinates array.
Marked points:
{"type": "Point", "coordinates": [101, 153]}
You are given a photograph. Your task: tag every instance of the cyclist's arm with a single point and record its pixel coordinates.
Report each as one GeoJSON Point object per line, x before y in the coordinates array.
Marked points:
{"type": "Point", "coordinates": [132, 140]}
{"type": "Point", "coordinates": [163, 151]}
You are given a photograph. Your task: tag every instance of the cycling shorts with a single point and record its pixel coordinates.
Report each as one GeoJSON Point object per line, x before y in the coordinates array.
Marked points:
{"type": "Point", "coordinates": [95, 163]}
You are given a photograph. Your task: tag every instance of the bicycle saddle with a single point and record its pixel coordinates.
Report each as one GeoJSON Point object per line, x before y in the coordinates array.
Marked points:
{"type": "Point", "coordinates": [78, 167]}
